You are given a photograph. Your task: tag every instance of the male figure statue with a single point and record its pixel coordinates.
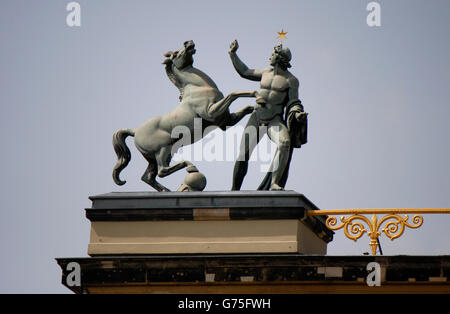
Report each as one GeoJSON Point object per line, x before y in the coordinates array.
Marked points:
{"type": "Point", "coordinates": [278, 90]}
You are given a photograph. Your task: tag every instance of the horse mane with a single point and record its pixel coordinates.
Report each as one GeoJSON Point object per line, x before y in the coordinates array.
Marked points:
{"type": "Point", "coordinates": [174, 80]}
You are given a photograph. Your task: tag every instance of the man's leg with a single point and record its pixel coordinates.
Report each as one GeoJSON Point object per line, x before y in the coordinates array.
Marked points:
{"type": "Point", "coordinates": [250, 138]}
{"type": "Point", "coordinates": [279, 134]}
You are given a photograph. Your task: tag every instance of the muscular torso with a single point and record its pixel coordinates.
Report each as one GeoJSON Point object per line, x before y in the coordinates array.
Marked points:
{"type": "Point", "coordinates": [272, 95]}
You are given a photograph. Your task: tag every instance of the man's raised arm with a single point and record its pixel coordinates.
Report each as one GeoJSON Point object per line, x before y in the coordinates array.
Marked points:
{"type": "Point", "coordinates": [241, 68]}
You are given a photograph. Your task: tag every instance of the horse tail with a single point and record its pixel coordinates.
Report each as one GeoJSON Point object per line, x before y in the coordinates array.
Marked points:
{"type": "Point", "coordinates": [123, 153]}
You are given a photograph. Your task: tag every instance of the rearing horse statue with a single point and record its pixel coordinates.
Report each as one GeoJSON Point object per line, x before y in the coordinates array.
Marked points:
{"type": "Point", "coordinates": [199, 98]}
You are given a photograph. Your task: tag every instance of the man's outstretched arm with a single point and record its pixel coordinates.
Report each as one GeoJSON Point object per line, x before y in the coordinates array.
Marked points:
{"type": "Point", "coordinates": [241, 68]}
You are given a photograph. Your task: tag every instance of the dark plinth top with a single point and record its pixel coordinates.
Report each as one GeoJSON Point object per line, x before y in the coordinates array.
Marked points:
{"type": "Point", "coordinates": [213, 199]}
{"type": "Point", "coordinates": [236, 205]}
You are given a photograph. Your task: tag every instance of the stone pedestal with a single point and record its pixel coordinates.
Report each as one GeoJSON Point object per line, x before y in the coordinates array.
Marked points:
{"type": "Point", "coordinates": [143, 223]}
{"type": "Point", "coordinates": [245, 242]}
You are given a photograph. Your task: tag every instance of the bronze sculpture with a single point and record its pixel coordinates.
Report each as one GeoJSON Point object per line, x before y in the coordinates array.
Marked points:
{"type": "Point", "coordinates": [278, 113]}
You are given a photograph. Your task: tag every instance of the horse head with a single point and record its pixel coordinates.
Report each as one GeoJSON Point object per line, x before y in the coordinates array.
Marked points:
{"type": "Point", "coordinates": [182, 57]}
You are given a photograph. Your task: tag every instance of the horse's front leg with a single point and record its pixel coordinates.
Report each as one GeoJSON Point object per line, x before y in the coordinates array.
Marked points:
{"type": "Point", "coordinates": [237, 116]}
{"type": "Point", "coordinates": [217, 109]}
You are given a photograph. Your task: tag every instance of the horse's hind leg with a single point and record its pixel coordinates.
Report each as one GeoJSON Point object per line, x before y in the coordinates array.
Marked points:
{"type": "Point", "coordinates": [150, 173]}
{"type": "Point", "coordinates": [163, 158]}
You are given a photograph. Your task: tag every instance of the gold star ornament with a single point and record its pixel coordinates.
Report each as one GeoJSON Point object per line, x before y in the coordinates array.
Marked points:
{"type": "Point", "coordinates": [282, 35]}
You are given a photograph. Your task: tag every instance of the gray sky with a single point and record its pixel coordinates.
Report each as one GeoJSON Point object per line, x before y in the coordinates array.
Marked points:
{"type": "Point", "coordinates": [377, 97]}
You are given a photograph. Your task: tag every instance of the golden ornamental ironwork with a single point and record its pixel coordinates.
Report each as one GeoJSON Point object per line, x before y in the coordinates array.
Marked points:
{"type": "Point", "coordinates": [392, 224]}
{"type": "Point", "coordinates": [354, 229]}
